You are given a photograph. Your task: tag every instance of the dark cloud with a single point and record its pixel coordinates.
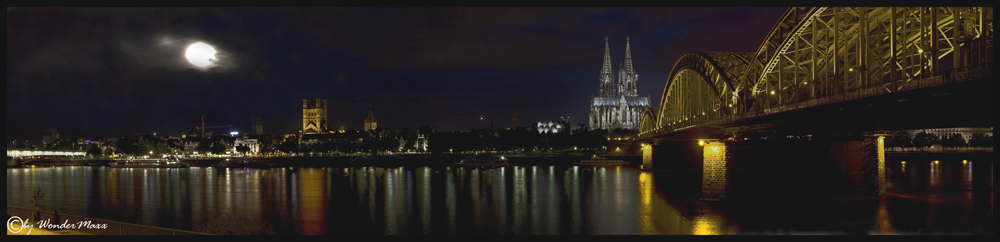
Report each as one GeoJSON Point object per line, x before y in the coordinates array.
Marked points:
{"type": "Point", "coordinates": [112, 71]}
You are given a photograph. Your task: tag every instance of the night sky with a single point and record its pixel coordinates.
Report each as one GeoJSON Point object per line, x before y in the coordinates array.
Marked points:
{"type": "Point", "coordinates": [96, 72]}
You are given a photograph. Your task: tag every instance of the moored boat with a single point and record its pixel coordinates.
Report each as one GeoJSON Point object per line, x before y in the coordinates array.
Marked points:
{"type": "Point", "coordinates": [601, 161]}
{"type": "Point", "coordinates": [149, 163]}
{"type": "Point", "coordinates": [484, 162]}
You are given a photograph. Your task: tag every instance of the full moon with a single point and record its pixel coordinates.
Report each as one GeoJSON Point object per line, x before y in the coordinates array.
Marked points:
{"type": "Point", "coordinates": [200, 54]}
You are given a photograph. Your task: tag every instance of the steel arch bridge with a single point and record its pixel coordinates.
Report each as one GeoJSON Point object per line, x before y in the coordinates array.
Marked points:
{"type": "Point", "coordinates": [821, 55]}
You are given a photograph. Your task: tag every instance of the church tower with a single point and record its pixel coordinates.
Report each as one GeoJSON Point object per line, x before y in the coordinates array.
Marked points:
{"type": "Point", "coordinates": [314, 116]}
{"type": "Point", "coordinates": [370, 122]}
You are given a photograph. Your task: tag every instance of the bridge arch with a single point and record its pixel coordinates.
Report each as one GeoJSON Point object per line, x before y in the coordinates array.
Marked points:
{"type": "Point", "coordinates": [649, 123]}
{"type": "Point", "coordinates": [702, 85]}
{"type": "Point", "coordinates": [817, 55]}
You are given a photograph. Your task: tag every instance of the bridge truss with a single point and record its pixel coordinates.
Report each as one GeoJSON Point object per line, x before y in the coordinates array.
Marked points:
{"type": "Point", "coordinates": [820, 55]}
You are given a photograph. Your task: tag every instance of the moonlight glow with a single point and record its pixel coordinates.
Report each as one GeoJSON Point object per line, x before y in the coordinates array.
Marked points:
{"type": "Point", "coordinates": [200, 54]}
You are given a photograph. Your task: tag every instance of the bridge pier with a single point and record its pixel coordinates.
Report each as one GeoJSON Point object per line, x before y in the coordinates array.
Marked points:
{"type": "Point", "coordinates": [715, 176]}
{"type": "Point", "coordinates": [647, 157]}
{"type": "Point", "coordinates": [830, 167]}
{"type": "Point", "coordinates": [827, 168]}
{"type": "Point", "coordinates": [14, 161]}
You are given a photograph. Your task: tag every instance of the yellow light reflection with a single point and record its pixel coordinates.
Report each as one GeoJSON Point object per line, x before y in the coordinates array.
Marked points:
{"type": "Point", "coordinates": [646, 186]}
{"type": "Point", "coordinates": [883, 221]}
{"type": "Point", "coordinates": [312, 200]}
{"type": "Point", "coordinates": [707, 225]}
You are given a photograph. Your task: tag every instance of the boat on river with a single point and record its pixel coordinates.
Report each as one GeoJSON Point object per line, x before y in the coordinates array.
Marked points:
{"type": "Point", "coordinates": [149, 163]}
{"type": "Point", "coordinates": [482, 161]}
{"type": "Point", "coordinates": [601, 161]}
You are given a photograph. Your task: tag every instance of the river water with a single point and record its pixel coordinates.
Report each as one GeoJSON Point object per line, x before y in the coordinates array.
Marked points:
{"type": "Point", "coordinates": [925, 198]}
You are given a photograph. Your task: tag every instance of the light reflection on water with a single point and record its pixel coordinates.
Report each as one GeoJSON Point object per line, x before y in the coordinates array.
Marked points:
{"type": "Point", "coordinates": [546, 200]}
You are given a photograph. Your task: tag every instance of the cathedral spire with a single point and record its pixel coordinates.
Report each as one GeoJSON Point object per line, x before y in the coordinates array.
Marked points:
{"type": "Point", "coordinates": [607, 74]}
{"type": "Point", "coordinates": [607, 57]}
{"type": "Point", "coordinates": [628, 56]}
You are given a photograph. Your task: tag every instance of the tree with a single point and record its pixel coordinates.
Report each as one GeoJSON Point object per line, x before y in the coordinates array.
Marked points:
{"type": "Point", "coordinates": [127, 146]}
{"type": "Point", "coordinates": [95, 151]}
{"type": "Point", "coordinates": [901, 140]}
{"type": "Point", "coordinates": [218, 148]}
{"type": "Point", "coordinates": [36, 202]}
{"type": "Point", "coordinates": [204, 147]}
{"type": "Point", "coordinates": [954, 141]}
{"type": "Point", "coordinates": [924, 140]}
{"type": "Point", "coordinates": [289, 146]}
{"type": "Point", "coordinates": [243, 149]}
{"type": "Point", "coordinates": [162, 149]}
{"type": "Point", "coordinates": [981, 140]}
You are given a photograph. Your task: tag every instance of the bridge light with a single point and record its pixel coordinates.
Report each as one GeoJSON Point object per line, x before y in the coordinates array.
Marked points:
{"type": "Point", "coordinates": [851, 70]}
{"type": "Point", "coordinates": [772, 92]}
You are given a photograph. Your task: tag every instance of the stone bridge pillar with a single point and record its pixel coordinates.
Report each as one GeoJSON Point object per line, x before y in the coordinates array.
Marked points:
{"type": "Point", "coordinates": [13, 161]}
{"type": "Point", "coordinates": [715, 177]}
{"type": "Point", "coordinates": [647, 157]}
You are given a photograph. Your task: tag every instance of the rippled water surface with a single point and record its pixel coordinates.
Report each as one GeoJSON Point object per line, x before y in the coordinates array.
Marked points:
{"type": "Point", "coordinates": [537, 200]}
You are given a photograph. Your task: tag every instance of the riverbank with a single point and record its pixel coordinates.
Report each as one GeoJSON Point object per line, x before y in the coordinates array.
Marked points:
{"type": "Point", "coordinates": [347, 161]}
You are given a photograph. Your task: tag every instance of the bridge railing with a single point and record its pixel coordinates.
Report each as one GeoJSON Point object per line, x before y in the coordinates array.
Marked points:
{"type": "Point", "coordinates": [113, 228]}
{"type": "Point", "coordinates": [976, 72]}
{"type": "Point", "coordinates": [951, 76]}
{"type": "Point", "coordinates": [939, 149]}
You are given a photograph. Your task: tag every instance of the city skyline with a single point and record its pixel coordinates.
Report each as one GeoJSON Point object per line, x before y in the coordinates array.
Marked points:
{"type": "Point", "coordinates": [111, 72]}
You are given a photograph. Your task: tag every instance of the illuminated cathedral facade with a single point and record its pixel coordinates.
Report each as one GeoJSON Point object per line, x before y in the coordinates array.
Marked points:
{"type": "Point", "coordinates": [618, 104]}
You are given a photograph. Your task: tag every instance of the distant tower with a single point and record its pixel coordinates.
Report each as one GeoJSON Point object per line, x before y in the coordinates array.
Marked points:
{"type": "Point", "coordinates": [370, 123]}
{"type": "Point", "coordinates": [314, 116]}
{"type": "Point", "coordinates": [258, 126]}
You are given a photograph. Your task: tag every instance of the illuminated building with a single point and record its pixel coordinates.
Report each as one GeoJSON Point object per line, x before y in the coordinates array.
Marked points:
{"type": "Point", "coordinates": [554, 127]}
{"type": "Point", "coordinates": [421, 144]}
{"type": "Point", "coordinates": [258, 127]}
{"type": "Point", "coordinates": [314, 116]}
{"type": "Point", "coordinates": [253, 144]}
{"type": "Point", "coordinates": [370, 123]}
{"type": "Point", "coordinates": [51, 137]}
{"type": "Point", "coordinates": [618, 105]}
{"type": "Point", "coordinates": [191, 148]}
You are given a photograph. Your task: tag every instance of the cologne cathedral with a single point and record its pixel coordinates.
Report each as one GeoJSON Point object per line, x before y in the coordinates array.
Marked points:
{"type": "Point", "coordinates": [618, 105]}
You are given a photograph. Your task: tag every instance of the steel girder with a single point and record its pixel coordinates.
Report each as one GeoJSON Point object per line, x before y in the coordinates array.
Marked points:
{"type": "Point", "coordinates": [701, 87]}
{"type": "Point", "coordinates": [649, 123]}
{"type": "Point", "coordinates": [815, 52]}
